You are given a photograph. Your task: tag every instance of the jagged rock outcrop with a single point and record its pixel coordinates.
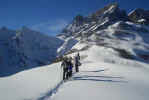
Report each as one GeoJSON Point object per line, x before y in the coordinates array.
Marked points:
{"type": "Point", "coordinates": [140, 16]}
{"type": "Point", "coordinates": [112, 11]}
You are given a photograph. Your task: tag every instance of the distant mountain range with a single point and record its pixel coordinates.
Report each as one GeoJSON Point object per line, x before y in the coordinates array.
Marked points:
{"type": "Point", "coordinates": [24, 49]}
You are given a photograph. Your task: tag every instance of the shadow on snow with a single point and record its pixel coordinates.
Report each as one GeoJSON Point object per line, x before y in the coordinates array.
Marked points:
{"type": "Point", "coordinates": [96, 71]}
{"type": "Point", "coordinates": [51, 92]}
{"type": "Point", "coordinates": [99, 78]}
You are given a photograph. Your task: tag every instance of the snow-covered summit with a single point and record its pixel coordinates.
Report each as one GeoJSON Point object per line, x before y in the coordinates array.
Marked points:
{"type": "Point", "coordinates": [113, 28]}
{"type": "Point", "coordinates": [111, 12]}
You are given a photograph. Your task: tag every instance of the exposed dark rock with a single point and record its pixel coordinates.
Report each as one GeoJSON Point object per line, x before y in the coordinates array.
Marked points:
{"type": "Point", "coordinates": [140, 16]}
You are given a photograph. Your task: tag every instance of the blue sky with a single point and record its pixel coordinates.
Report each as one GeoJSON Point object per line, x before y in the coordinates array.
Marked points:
{"type": "Point", "coordinates": [50, 16]}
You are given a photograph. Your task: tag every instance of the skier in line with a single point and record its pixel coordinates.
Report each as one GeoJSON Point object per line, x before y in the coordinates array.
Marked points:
{"type": "Point", "coordinates": [65, 68]}
{"type": "Point", "coordinates": [77, 62]}
{"type": "Point", "coordinates": [70, 67]}
{"type": "Point", "coordinates": [78, 56]}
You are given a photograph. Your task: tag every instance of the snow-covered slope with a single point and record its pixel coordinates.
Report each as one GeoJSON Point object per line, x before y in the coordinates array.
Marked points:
{"type": "Point", "coordinates": [31, 84]}
{"type": "Point", "coordinates": [115, 56]}
{"type": "Point", "coordinates": [103, 75]}
{"type": "Point", "coordinates": [67, 45]}
{"type": "Point", "coordinates": [24, 49]}
{"type": "Point", "coordinates": [106, 76]}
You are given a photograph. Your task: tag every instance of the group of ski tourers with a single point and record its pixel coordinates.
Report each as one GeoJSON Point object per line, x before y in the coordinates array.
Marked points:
{"type": "Point", "coordinates": [68, 64]}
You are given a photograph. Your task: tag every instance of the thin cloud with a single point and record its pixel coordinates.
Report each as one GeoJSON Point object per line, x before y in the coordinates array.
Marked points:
{"type": "Point", "coordinates": [58, 25]}
{"type": "Point", "coordinates": [51, 27]}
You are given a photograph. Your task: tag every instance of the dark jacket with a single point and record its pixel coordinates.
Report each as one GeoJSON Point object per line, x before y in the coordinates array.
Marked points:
{"type": "Point", "coordinates": [64, 65]}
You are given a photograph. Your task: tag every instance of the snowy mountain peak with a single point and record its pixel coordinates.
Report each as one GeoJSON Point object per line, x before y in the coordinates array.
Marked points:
{"type": "Point", "coordinates": [103, 17]}
{"type": "Point", "coordinates": [113, 28]}
{"type": "Point", "coordinates": [112, 11]}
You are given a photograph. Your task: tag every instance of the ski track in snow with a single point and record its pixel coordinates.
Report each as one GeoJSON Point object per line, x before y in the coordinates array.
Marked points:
{"type": "Point", "coordinates": [51, 92]}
